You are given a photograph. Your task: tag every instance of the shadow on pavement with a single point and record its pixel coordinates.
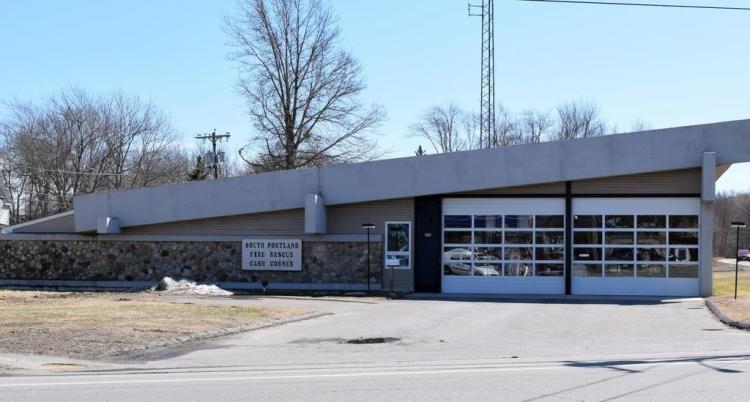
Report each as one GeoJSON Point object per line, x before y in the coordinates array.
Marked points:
{"type": "Point", "coordinates": [624, 372]}
{"type": "Point", "coordinates": [616, 364]}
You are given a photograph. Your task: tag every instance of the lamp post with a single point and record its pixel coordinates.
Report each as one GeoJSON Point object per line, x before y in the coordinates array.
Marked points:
{"type": "Point", "coordinates": [368, 227]}
{"type": "Point", "coordinates": [738, 225]}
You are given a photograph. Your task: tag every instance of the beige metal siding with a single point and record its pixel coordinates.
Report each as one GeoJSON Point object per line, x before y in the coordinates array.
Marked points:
{"type": "Point", "coordinates": [63, 224]}
{"type": "Point", "coordinates": [686, 181]}
{"type": "Point", "coordinates": [348, 219]}
{"type": "Point", "coordinates": [669, 182]}
{"type": "Point", "coordinates": [721, 169]}
{"type": "Point", "coordinates": [281, 223]}
{"type": "Point", "coordinates": [342, 219]}
{"type": "Point", "coordinates": [547, 188]}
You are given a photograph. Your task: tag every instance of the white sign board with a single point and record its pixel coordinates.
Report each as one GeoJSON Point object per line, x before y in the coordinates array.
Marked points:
{"type": "Point", "coordinates": [272, 255]}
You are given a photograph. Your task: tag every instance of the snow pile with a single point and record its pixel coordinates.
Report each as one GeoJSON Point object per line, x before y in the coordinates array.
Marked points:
{"type": "Point", "coordinates": [185, 287]}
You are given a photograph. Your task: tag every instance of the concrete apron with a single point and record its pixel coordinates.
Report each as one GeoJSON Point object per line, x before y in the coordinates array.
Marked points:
{"type": "Point", "coordinates": [546, 298]}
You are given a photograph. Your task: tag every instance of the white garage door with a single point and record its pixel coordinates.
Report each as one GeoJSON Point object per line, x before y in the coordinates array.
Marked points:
{"type": "Point", "coordinates": [635, 246]}
{"type": "Point", "coordinates": [506, 246]}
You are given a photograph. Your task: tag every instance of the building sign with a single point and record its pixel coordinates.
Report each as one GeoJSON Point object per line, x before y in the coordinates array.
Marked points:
{"type": "Point", "coordinates": [272, 255]}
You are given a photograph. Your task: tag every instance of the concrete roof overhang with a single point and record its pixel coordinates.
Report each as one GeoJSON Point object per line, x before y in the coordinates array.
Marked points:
{"type": "Point", "coordinates": [613, 155]}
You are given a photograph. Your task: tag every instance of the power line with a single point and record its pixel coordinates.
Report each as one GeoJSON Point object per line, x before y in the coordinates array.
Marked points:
{"type": "Point", "coordinates": [615, 3]}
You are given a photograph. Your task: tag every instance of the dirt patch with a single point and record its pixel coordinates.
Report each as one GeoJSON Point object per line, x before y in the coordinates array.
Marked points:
{"type": "Point", "coordinates": [737, 310]}
{"type": "Point", "coordinates": [103, 325]}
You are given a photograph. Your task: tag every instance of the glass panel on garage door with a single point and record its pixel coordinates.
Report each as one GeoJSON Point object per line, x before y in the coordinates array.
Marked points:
{"type": "Point", "coordinates": [503, 246]}
{"type": "Point", "coordinates": [635, 246]}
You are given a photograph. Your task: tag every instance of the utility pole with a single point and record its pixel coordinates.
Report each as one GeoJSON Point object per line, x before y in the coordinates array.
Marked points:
{"type": "Point", "coordinates": [738, 225]}
{"type": "Point", "coordinates": [214, 138]}
{"type": "Point", "coordinates": [487, 112]}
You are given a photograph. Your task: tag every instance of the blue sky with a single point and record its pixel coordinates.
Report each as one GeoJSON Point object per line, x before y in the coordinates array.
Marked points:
{"type": "Point", "coordinates": [665, 67]}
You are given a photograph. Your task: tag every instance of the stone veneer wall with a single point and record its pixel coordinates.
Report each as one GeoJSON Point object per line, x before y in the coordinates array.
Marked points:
{"type": "Point", "coordinates": [202, 261]}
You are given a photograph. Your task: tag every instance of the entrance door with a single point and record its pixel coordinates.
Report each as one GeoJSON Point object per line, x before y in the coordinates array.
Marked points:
{"type": "Point", "coordinates": [427, 244]}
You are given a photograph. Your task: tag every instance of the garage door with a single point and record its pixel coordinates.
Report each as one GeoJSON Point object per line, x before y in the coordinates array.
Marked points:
{"type": "Point", "coordinates": [507, 246]}
{"type": "Point", "coordinates": [635, 246]}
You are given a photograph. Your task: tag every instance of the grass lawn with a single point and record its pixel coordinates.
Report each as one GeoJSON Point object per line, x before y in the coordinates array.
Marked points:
{"type": "Point", "coordinates": [100, 325]}
{"type": "Point", "coordinates": [738, 310]}
{"type": "Point", "coordinates": [724, 284]}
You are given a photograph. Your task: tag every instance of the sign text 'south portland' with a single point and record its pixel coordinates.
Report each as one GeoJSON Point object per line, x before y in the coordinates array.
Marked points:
{"type": "Point", "coordinates": [272, 255]}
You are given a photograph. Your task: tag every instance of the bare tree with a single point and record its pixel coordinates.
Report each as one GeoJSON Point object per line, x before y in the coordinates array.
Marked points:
{"type": "Point", "coordinates": [505, 131]}
{"type": "Point", "coordinates": [77, 143]}
{"type": "Point", "coordinates": [535, 126]}
{"type": "Point", "coordinates": [529, 127]}
{"type": "Point", "coordinates": [724, 208]}
{"type": "Point", "coordinates": [580, 119]}
{"type": "Point", "coordinates": [572, 120]}
{"type": "Point", "coordinates": [639, 125]}
{"type": "Point", "coordinates": [302, 90]}
{"type": "Point", "coordinates": [447, 128]}
{"type": "Point", "coordinates": [730, 207]}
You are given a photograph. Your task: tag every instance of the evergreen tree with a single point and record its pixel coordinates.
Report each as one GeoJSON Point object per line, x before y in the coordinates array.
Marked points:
{"type": "Point", "coordinates": [199, 172]}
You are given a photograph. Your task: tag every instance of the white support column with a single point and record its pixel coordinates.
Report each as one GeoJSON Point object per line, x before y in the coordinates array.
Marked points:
{"type": "Point", "coordinates": [708, 196]}
{"type": "Point", "coordinates": [315, 214]}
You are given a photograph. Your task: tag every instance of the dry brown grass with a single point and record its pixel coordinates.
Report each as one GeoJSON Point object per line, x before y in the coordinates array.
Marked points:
{"type": "Point", "coordinates": [98, 325]}
{"type": "Point", "coordinates": [724, 284]}
{"type": "Point", "coordinates": [738, 310]}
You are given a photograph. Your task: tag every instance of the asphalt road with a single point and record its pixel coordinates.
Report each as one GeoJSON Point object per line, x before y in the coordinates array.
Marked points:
{"type": "Point", "coordinates": [448, 350]}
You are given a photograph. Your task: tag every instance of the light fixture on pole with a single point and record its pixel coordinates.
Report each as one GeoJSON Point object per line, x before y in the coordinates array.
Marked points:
{"type": "Point", "coordinates": [368, 227]}
{"type": "Point", "coordinates": [738, 225]}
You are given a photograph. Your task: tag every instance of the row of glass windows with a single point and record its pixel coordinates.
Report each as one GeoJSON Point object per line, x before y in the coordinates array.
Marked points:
{"type": "Point", "coordinates": [579, 221]}
{"type": "Point", "coordinates": [497, 238]}
{"type": "Point", "coordinates": [469, 253]}
{"type": "Point", "coordinates": [503, 221]}
{"type": "Point", "coordinates": [655, 243]}
{"type": "Point", "coordinates": [632, 221]}
{"type": "Point", "coordinates": [503, 269]}
{"type": "Point", "coordinates": [516, 269]}
{"type": "Point", "coordinates": [579, 238]}
{"type": "Point", "coordinates": [504, 245]}
{"type": "Point", "coordinates": [661, 246]}
{"type": "Point", "coordinates": [685, 226]}
{"type": "Point", "coordinates": [639, 237]}
{"type": "Point", "coordinates": [636, 270]}
{"type": "Point", "coordinates": [637, 254]}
